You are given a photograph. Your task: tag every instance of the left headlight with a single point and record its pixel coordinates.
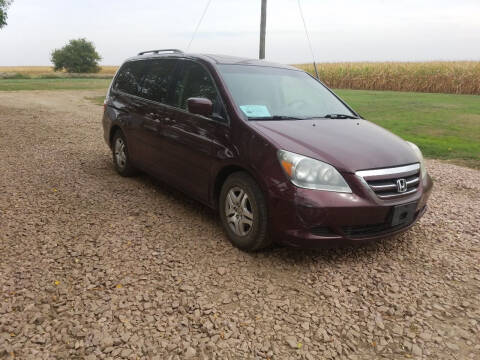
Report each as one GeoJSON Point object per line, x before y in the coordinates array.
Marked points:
{"type": "Point", "coordinates": [309, 173]}
{"type": "Point", "coordinates": [417, 151]}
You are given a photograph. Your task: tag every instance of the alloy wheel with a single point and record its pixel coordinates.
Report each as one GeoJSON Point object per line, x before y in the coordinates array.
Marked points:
{"type": "Point", "coordinates": [238, 211]}
{"type": "Point", "coordinates": [120, 153]}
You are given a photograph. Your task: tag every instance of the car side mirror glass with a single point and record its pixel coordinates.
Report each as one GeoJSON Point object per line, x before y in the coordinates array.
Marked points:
{"type": "Point", "coordinates": [200, 106]}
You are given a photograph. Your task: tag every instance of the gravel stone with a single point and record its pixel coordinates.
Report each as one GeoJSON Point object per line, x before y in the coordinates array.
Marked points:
{"type": "Point", "coordinates": [379, 322]}
{"type": "Point", "coordinates": [453, 347]}
{"type": "Point", "coordinates": [416, 350]}
{"type": "Point", "coordinates": [292, 342]}
{"type": "Point", "coordinates": [93, 265]}
{"type": "Point", "coordinates": [190, 353]}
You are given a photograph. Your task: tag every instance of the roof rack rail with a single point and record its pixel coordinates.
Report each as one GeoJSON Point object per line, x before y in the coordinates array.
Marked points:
{"type": "Point", "coordinates": [160, 50]}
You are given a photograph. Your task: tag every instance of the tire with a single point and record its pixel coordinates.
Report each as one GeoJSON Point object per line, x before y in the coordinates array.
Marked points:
{"type": "Point", "coordinates": [244, 213]}
{"type": "Point", "coordinates": [121, 160]}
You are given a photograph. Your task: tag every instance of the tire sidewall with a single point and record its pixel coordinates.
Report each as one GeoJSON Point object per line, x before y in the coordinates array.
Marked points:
{"type": "Point", "coordinates": [127, 170]}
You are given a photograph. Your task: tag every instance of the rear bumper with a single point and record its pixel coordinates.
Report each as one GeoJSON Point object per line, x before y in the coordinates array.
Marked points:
{"type": "Point", "coordinates": [314, 219]}
{"type": "Point", "coordinates": [107, 125]}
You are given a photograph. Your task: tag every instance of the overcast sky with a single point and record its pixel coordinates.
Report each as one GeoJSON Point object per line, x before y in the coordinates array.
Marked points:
{"type": "Point", "coordinates": [341, 30]}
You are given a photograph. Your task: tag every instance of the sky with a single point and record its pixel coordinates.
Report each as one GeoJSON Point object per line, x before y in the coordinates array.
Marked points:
{"type": "Point", "coordinates": [340, 30]}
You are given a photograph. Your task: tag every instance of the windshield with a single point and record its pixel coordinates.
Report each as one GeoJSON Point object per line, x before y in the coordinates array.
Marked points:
{"type": "Point", "coordinates": [264, 93]}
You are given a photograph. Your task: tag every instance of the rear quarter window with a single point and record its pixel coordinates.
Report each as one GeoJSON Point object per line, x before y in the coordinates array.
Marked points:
{"type": "Point", "coordinates": [129, 78]}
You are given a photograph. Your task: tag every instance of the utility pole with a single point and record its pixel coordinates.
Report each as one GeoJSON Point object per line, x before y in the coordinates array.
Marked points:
{"type": "Point", "coordinates": [263, 25]}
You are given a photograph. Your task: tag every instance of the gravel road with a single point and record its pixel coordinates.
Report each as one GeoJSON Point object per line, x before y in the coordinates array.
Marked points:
{"type": "Point", "coordinates": [93, 265]}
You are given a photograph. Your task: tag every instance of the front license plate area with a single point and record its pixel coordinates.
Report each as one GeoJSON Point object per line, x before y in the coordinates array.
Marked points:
{"type": "Point", "coordinates": [403, 214]}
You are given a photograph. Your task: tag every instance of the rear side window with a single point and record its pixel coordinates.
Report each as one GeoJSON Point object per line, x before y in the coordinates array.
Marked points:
{"type": "Point", "coordinates": [158, 77]}
{"type": "Point", "coordinates": [129, 78]}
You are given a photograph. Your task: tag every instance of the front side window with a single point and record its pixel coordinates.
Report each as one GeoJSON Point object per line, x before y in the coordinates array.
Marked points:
{"type": "Point", "coordinates": [195, 82]}
{"type": "Point", "coordinates": [129, 78]}
{"type": "Point", "coordinates": [267, 93]}
{"type": "Point", "coordinates": [157, 79]}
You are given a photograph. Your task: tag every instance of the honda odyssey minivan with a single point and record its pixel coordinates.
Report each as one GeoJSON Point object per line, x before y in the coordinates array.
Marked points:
{"type": "Point", "coordinates": [278, 154]}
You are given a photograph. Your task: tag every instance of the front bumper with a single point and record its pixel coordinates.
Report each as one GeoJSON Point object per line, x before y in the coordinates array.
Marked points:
{"type": "Point", "coordinates": [311, 218]}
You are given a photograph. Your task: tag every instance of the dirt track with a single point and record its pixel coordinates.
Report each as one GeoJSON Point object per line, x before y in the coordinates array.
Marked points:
{"type": "Point", "coordinates": [93, 265]}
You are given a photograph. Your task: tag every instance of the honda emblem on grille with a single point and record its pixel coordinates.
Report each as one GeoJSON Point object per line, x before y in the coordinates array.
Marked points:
{"type": "Point", "coordinates": [401, 185]}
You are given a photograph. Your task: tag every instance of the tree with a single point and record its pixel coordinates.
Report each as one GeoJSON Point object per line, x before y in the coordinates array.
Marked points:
{"type": "Point", "coordinates": [78, 56]}
{"type": "Point", "coordinates": [4, 4]}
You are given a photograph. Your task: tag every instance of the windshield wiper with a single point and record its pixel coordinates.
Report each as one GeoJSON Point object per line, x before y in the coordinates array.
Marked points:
{"type": "Point", "coordinates": [339, 116]}
{"type": "Point", "coordinates": [276, 117]}
{"type": "Point", "coordinates": [285, 117]}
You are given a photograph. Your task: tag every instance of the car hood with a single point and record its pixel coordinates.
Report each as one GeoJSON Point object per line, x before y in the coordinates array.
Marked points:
{"type": "Point", "coordinates": [348, 145]}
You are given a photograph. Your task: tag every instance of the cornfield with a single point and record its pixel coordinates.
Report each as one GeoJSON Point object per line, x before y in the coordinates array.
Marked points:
{"type": "Point", "coordinates": [27, 72]}
{"type": "Point", "coordinates": [455, 77]}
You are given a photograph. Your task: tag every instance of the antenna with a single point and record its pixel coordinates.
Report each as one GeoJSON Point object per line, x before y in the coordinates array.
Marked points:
{"type": "Point", "coordinates": [308, 39]}
{"type": "Point", "coordinates": [199, 22]}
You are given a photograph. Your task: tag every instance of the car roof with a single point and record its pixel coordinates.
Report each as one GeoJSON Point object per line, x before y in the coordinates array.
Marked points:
{"type": "Point", "coordinates": [214, 59]}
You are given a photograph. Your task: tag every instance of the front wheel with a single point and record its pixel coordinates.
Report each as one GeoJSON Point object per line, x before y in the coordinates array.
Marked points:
{"type": "Point", "coordinates": [244, 213]}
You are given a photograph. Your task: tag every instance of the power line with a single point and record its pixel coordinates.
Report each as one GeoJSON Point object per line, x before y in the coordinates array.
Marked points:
{"type": "Point", "coordinates": [308, 38]}
{"type": "Point", "coordinates": [199, 22]}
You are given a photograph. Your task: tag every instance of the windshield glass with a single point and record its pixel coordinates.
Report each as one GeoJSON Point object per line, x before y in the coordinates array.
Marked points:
{"type": "Point", "coordinates": [273, 93]}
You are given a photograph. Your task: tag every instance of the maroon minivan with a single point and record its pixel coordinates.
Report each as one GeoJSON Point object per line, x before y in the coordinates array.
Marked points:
{"type": "Point", "coordinates": [280, 156]}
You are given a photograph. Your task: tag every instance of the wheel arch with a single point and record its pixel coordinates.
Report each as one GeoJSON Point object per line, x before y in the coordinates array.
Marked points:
{"type": "Point", "coordinates": [224, 173]}
{"type": "Point", "coordinates": [113, 130]}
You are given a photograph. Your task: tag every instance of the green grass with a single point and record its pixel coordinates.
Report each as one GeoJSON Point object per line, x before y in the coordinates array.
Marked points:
{"type": "Point", "coordinates": [53, 84]}
{"type": "Point", "coordinates": [444, 126]}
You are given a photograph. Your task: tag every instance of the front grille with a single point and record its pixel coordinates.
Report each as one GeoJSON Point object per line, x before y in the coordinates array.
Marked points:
{"type": "Point", "coordinates": [387, 189]}
{"type": "Point", "coordinates": [370, 230]}
{"type": "Point", "coordinates": [366, 230]}
{"type": "Point", "coordinates": [322, 231]}
{"type": "Point", "coordinates": [384, 184]}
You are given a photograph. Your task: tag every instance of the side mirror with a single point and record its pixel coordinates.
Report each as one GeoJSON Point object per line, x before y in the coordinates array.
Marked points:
{"type": "Point", "coordinates": [200, 106]}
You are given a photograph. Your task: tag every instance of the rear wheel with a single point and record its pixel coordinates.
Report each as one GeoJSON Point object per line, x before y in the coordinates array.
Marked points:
{"type": "Point", "coordinates": [244, 213]}
{"type": "Point", "coordinates": [121, 159]}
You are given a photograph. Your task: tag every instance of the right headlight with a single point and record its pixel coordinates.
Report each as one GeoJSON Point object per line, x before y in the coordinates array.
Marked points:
{"type": "Point", "coordinates": [309, 173]}
{"type": "Point", "coordinates": [417, 151]}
